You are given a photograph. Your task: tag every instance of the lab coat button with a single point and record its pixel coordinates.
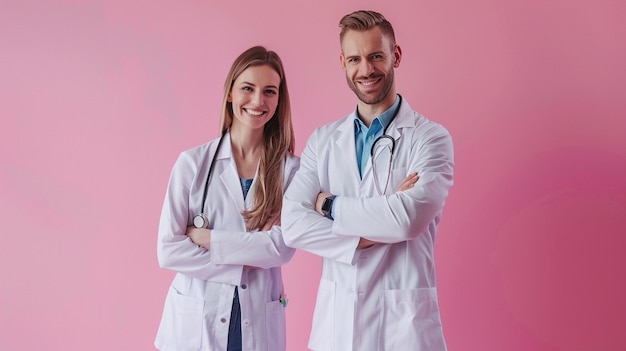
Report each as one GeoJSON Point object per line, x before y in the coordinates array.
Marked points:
{"type": "Point", "coordinates": [244, 286]}
{"type": "Point", "coordinates": [246, 322]}
{"type": "Point", "coordinates": [223, 320]}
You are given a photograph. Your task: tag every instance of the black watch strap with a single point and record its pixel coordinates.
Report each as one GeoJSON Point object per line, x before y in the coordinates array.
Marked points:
{"type": "Point", "coordinates": [327, 206]}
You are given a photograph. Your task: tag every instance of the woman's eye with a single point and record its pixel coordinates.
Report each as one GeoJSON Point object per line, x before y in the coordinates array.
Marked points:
{"type": "Point", "coordinates": [247, 88]}
{"type": "Point", "coordinates": [271, 92]}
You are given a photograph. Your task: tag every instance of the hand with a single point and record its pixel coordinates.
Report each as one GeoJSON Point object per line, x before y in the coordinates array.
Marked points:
{"type": "Point", "coordinates": [272, 221]}
{"type": "Point", "coordinates": [408, 182]}
{"type": "Point", "coordinates": [199, 236]}
{"type": "Point", "coordinates": [365, 244]}
{"type": "Point", "coordinates": [320, 201]}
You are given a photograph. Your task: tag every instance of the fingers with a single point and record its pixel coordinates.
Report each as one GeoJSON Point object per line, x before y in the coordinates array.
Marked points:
{"type": "Point", "coordinates": [408, 182]}
{"type": "Point", "coordinates": [272, 221]}
{"type": "Point", "coordinates": [364, 243]}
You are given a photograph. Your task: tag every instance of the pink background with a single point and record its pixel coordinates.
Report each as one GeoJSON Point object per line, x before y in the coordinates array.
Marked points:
{"type": "Point", "coordinates": [97, 98]}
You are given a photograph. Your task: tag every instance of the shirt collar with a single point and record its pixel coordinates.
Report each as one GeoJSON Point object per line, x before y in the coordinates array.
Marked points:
{"type": "Point", "coordinates": [384, 118]}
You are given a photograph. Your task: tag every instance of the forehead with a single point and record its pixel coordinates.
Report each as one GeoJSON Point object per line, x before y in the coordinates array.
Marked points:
{"type": "Point", "coordinates": [262, 75]}
{"type": "Point", "coordinates": [364, 42]}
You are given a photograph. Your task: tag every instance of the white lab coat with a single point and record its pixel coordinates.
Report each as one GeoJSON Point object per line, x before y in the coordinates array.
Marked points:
{"type": "Point", "coordinates": [383, 297]}
{"type": "Point", "coordinates": [197, 308]}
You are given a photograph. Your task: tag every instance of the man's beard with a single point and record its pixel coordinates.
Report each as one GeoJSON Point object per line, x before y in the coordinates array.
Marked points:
{"type": "Point", "coordinates": [366, 98]}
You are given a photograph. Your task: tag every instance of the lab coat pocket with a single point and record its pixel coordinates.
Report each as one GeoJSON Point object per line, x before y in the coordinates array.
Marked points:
{"type": "Point", "coordinates": [323, 317]}
{"type": "Point", "coordinates": [275, 326]}
{"type": "Point", "coordinates": [411, 317]}
{"type": "Point", "coordinates": [181, 323]}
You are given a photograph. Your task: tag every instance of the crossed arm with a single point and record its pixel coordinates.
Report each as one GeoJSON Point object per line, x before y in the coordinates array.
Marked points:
{"type": "Point", "coordinates": [405, 184]}
{"type": "Point", "coordinates": [202, 236]}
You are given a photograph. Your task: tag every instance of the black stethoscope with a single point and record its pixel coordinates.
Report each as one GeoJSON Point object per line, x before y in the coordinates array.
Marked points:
{"type": "Point", "coordinates": [200, 220]}
{"type": "Point", "coordinates": [385, 136]}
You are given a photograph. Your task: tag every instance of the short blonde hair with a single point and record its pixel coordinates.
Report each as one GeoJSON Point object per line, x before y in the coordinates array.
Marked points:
{"type": "Point", "coordinates": [364, 20]}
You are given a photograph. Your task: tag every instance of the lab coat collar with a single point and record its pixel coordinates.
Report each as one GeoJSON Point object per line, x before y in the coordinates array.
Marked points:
{"type": "Point", "coordinates": [405, 118]}
{"type": "Point", "coordinates": [345, 141]}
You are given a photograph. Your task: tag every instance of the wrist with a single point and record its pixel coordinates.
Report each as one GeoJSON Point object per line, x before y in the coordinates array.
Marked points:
{"type": "Point", "coordinates": [327, 206]}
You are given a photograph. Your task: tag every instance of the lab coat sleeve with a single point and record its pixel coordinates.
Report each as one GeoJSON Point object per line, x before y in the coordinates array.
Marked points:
{"type": "Point", "coordinates": [305, 229]}
{"type": "Point", "coordinates": [403, 215]}
{"type": "Point", "coordinates": [175, 251]}
{"type": "Point", "coordinates": [263, 249]}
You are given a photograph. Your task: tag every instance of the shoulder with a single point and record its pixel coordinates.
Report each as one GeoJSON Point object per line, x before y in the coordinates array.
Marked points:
{"type": "Point", "coordinates": [322, 133]}
{"type": "Point", "coordinates": [428, 127]}
{"type": "Point", "coordinates": [291, 159]}
{"type": "Point", "coordinates": [196, 155]}
{"type": "Point", "coordinates": [424, 127]}
{"type": "Point", "coordinates": [291, 166]}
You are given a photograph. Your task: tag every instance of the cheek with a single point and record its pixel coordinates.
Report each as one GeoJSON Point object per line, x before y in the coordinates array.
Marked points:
{"type": "Point", "coordinates": [273, 103]}
{"type": "Point", "coordinates": [233, 98]}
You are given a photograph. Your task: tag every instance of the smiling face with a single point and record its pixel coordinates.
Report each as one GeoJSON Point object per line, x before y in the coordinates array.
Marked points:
{"type": "Point", "coordinates": [368, 58]}
{"type": "Point", "coordinates": [254, 96]}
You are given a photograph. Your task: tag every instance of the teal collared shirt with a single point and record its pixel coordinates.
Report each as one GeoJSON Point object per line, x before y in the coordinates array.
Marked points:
{"type": "Point", "coordinates": [364, 137]}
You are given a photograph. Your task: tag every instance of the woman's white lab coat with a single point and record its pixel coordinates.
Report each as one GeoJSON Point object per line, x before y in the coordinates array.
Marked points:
{"type": "Point", "coordinates": [383, 297]}
{"type": "Point", "coordinates": [197, 308]}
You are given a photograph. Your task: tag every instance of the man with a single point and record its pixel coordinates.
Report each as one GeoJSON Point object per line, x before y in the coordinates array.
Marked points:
{"type": "Point", "coordinates": [369, 217]}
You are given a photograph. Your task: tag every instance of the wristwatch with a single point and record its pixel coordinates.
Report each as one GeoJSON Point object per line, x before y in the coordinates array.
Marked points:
{"type": "Point", "coordinates": [327, 206]}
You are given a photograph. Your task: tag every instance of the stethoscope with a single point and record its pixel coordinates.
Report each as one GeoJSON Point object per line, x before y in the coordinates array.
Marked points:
{"type": "Point", "coordinates": [385, 136]}
{"type": "Point", "coordinates": [200, 220]}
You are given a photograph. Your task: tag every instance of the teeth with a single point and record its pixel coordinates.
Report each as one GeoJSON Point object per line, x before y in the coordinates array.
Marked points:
{"type": "Point", "coordinates": [254, 113]}
{"type": "Point", "coordinates": [370, 83]}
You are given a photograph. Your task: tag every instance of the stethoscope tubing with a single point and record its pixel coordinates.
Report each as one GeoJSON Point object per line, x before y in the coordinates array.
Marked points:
{"type": "Point", "coordinates": [208, 179]}
{"type": "Point", "coordinates": [393, 147]}
{"type": "Point", "coordinates": [385, 135]}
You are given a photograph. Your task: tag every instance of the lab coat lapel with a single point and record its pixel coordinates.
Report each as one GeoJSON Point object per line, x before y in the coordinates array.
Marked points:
{"type": "Point", "coordinates": [404, 119]}
{"type": "Point", "coordinates": [347, 156]}
{"type": "Point", "coordinates": [229, 176]}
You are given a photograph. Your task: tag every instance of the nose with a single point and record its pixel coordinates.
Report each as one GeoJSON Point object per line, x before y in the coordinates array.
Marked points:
{"type": "Point", "coordinates": [257, 97]}
{"type": "Point", "coordinates": [366, 68]}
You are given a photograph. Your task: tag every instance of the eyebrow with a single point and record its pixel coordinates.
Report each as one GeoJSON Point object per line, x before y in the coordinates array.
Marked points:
{"type": "Point", "coordinates": [380, 52]}
{"type": "Point", "coordinates": [268, 86]}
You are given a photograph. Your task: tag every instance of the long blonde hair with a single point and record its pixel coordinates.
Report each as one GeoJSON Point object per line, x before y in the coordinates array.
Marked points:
{"type": "Point", "coordinates": [278, 137]}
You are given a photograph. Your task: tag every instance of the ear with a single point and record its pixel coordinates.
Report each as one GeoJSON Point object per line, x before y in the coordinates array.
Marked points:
{"type": "Point", "coordinates": [397, 56]}
{"type": "Point", "coordinates": [229, 98]}
{"type": "Point", "coordinates": [342, 62]}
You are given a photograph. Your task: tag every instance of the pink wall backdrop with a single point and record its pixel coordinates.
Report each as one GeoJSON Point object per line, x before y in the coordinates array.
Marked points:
{"type": "Point", "coordinates": [97, 98]}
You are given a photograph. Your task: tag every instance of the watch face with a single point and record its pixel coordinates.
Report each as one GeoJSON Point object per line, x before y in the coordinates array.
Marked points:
{"type": "Point", "coordinates": [326, 205]}
{"type": "Point", "coordinates": [199, 221]}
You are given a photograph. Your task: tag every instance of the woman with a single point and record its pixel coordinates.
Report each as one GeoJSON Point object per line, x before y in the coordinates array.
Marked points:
{"type": "Point", "coordinates": [228, 290]}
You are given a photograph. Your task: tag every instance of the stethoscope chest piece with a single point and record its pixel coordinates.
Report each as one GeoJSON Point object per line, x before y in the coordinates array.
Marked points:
{"type": "Point", "coordinates": [200, 221]}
